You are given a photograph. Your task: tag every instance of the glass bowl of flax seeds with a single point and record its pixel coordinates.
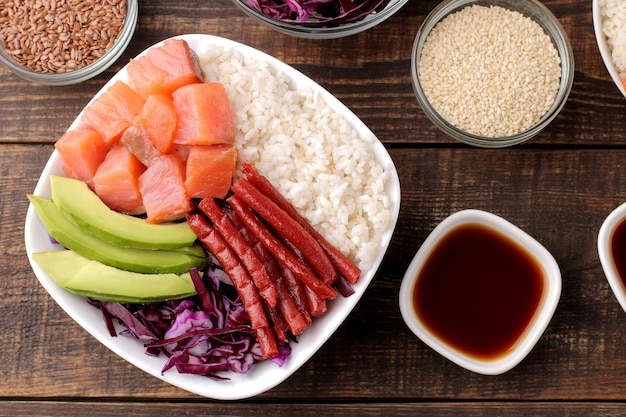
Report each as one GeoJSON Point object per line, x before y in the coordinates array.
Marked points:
{"type": "Point", "coordinates": [62, 42]}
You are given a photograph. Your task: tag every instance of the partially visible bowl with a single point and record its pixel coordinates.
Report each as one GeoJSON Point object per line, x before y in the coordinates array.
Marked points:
{"type": "Point", "coordinates": [494, 101]}
{"type": "Point", "coordinates": [604, 47]}
{"type": "Point", "coordinates": [612, 237]}
{"type": "Point", "coordinates": [314, 30]}
{"type": "Point", "coordinates": [480, 292]}
{"type": "Point", "coordinates": [40, 52]}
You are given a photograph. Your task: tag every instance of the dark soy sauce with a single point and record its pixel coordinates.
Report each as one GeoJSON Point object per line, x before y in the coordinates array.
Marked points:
{"type": "Point", "coordinates": [618, 249]}
{"type": "Point", "coordinates": [478, 291]}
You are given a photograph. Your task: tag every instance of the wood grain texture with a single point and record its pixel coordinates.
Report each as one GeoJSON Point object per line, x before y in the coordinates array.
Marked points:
{"type": "Point", "coordinates": [558, 196]}
{"type": "Point", "coordinates": [558, 187]}
{"type": "Point", "coordinates": [270, 409]}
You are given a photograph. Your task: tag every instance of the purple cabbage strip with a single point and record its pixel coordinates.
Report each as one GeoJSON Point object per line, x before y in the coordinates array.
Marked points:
{"type": "Point", "coordinates": [344, 287]}
{"type": "Point", "coordinates": [205, 334]}
{"type": "Point", "coordinates": [318, 13]}
{"type": "Point", "coordinates": [132, 323]}
{"type": "Point", "coordinates": [284, 350]}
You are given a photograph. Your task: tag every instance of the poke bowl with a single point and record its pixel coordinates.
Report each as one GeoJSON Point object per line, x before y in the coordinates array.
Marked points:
{"type": "Point", "coordinates": [291, 94]}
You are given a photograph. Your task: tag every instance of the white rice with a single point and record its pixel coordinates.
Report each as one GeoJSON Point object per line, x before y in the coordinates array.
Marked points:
{"type": "Point", "coordinates": [614, 26]}
{"type": "Point", "coordinates": [307, 150]}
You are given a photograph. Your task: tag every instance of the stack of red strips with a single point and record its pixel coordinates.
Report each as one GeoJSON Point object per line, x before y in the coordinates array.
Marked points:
{"type": "Point", "coordinates": [284, 271]}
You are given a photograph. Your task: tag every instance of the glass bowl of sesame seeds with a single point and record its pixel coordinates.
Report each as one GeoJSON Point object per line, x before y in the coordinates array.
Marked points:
{"type": "Point", "coordinates": [62, 42]}
{"type": "Point", "coordinates": [492, 73]}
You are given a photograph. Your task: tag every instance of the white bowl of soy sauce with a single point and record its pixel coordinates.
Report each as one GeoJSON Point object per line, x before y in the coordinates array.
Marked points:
{"type": "Point", "coordinates": [480, 291]}
{"type": "Point", "coordinates": [611, 246]}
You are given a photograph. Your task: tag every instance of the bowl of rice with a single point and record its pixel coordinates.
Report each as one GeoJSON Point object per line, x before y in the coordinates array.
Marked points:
{"type": "Point", "coordinates": [492, 73]}
{"type": "Point", "coordinates": [609, 23]}
{"type": "Point", "coordinates": [323, 19]}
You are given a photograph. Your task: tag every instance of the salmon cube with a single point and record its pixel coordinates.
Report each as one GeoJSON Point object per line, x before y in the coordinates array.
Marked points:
{"type": "Point", "coordinates": [138, 143]}
{"type": "Point", "coordinates": [113, 111]}
{"type": "Point", "coordinates": [204, 115]}
{"type": "Point", "coordinates": [162, 187]}
{"type": "Point", "coordinates": [82, 152]}
{"type": "Point", "coordinates": [158, 120]}
{"type": "Point", "coordinates": [164, 69]}
{"type": "Point", "coordinates": [210, 170]}
{"type": "Point", "coordinates": [117, 181]}
{"type": "Point", "coordinates": [182, 151]}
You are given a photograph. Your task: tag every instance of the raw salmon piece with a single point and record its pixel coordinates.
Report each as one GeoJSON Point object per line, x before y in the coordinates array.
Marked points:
{"type": "Point", "coordinates": [165, 68]}
{"type": "Point", "coordinates": [209, 171]}
{"type": "Point", "coordinates": [162, 187]}
{"type": "Point", "coordinates": [117, 181]}
{"type": "Point", "coordinates": [204, 115]}
{"type": "Point", "coordinates": [112, 112]}
{"type": "Point", "coordinates": [138, 143]}
{"type": "Point", "coordinates": [158, 120]}
{"type": "Point", "coordinates": [182, 151]}
{"type": "Point", "coordinates": [82, 151]}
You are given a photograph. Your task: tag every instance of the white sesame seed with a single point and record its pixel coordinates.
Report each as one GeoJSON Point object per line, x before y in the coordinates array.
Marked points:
{"type": "Point", "coordinates": [489, 71]}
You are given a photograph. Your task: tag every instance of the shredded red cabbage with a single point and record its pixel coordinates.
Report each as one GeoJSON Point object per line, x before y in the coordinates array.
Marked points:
{"type": "Point", "coordinates": [206, 334]}
{"type": "Point", "coordinates": [344, 287]}
{"type": "Point", "coordinates": [318, 13]}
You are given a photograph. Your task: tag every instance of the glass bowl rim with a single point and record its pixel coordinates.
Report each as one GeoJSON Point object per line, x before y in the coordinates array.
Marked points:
{"type": "Point", "coordinates": [82, 74]}
{"type": "Point", "coordinates": [347, 29]}
{"type": "Point", "coordinates": [539, 14]}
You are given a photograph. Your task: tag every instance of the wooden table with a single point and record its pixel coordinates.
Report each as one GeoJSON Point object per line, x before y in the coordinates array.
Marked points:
{"type": "Point", "coordinates": [559, 187]}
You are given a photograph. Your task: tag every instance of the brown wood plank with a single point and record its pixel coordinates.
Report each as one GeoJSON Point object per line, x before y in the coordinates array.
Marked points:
{"type": "Point", "coordinates": [148, 409]}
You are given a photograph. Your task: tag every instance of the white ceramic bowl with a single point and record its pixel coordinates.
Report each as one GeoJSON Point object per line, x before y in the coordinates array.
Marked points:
{"type": "Point", "coordinates": [603, 46]}
{"type": "Point", "coordinates": [605, 252]}
{"type": "Point", "coordinates": [537, 324]}
{"type": "Point", "coordinates": [266, 374]}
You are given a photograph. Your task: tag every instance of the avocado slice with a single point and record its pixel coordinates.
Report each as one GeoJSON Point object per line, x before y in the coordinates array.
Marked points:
{"type": "Point", "coordinates": [61, 265]}
{"type": "Point", "coordinates": [78, 202]}
{"type": "Point", "coordinates": [73, 237]}
{"type": "Point", "coordinates": [88, 278]}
